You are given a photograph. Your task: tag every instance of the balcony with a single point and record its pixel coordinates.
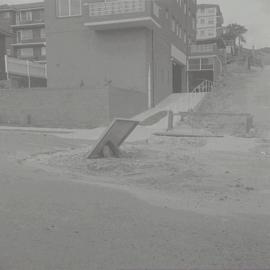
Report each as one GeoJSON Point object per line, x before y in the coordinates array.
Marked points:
{"type": "Point", "coordinates": [30, 42]}
{"type": "Point", "coordinates": [199, 49]}
{"type": "Point", "coordinates": [120, 14]}
{"type": "Point", "coordinates": [199, 64]}
{"type": "Point", "coordinates": [28, 24]}
{"type": "Point", "coordinates": [25, 68]}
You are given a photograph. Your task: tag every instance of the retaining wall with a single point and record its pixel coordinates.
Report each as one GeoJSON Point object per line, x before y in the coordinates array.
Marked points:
{"type": "Point", "coordinates": [67, 108]}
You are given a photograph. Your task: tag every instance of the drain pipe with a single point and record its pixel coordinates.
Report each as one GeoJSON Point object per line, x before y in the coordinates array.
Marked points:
{"type": "Point", "coordinates": [187, 47]}
{"type": "Point", "coordinates": [151, 75]}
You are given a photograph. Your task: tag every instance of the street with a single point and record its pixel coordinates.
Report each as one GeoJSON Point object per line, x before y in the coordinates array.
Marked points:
{"type": "Point", "coordinates": [56, 218]}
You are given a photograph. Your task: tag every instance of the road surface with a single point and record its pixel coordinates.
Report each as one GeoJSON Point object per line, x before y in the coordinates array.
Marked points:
{"type": "Point", "coordinates": [52, 220]}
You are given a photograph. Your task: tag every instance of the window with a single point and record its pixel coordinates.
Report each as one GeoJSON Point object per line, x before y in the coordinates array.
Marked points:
{"type": "Point", "coordinates": [66, 8]}
{"type": "Point", "coordinates": [39, 15]}
{"type": "Point", "coordinates": [207, 63]}
{"type": "Point", "coordinates": [6, 15]}
{"type": "Point", "coordinates": [194, 64]}
{"type": "Point", "coordinates": [180, 31]}
{"type": "Point", "coordinates": [42, 33]}
{"type": "Point", "coordinates": [211, 11]}
{"type": "Point", "coordinates": [202, 21]}
{"type": "Point", "coordinates": [202, 33]}
{"type": "Point", "coordinates": [211, 22]}
{"type": "Point", "coordinates": [24, 35]}
{"type": "Point", "coordinates": [8, 52]}
{"type": "Point", "coordinates": [194, 23]}
{"type": "Point", "coordinates": [173, 24]}
{"type": "Point", "coordinates": [167, 14]}
{"type": "Point", "coordinates": [26, 16]}
{"type": "Point", "coordinates": [26, 52]}
{"type": "Point", "coordinates": [155, 9]}
{"type": "Point", "coordinates": [43, 51]}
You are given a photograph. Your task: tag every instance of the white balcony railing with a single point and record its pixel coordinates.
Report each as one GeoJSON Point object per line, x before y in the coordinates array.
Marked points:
{"type": "Point", "coordinates": [116, 7]}
{"type": "Point", "coordinates": [201, 63]}
{"type": "Point", "coordinates": [203, 48]}
{"type": "Point", "coordinates": [25, 68]}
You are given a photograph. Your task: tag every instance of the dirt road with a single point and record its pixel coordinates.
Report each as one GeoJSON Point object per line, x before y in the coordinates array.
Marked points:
{"type": "Point", "coordinates": [166, 204]}
{"type": "Point", "coordinates": [258, 100]}
{"type": "Point", "coordinates": [56, 220]}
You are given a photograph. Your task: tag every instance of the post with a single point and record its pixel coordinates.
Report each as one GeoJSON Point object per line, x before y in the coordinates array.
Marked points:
{"type": "Point", "coordinates": [28, 74]}
{"type": "Point", "coordinates": [46, 71]}
{"type": "Point", "coordinates": [249, 123]}
{"type": "Point", "coordinates": [149, 79]}
{"type": "Point", "coordinates": [187, 47]}
{"type": "Point", "coordinates": [6, 66]}
{"type": "Point", "coordinates": [170, 120]}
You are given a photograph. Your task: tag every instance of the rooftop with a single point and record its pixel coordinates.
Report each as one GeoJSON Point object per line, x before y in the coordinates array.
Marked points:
{"type": "Point", "coordinates": [35, 5]}
{"type": "Point", "coordinates": [201, 6]}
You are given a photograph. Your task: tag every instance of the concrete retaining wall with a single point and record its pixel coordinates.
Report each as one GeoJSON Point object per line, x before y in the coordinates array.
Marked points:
{"type": "Point", "coordinates": [68, 108]}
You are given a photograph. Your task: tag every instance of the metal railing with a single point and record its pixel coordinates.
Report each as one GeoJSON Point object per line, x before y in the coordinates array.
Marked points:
{"type": "Point", "coordinates": [116, 7]}
{"type": "Point", "coordinates": [201, 63]}
{"type": "Point", "coordinates": [23, 22]}
{"type": "Point", "coordinates": [204, 87]}
{"type": "Point", "coordinates": [203, 48]}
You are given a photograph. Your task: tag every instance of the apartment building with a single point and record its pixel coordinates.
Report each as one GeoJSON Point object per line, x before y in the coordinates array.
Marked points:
{"type": "Point", "coordinates": [135, 45]}
{"type": "Point", "coordinates": [27, 24]}
{"type": "Point", "coordinates": [209, 22]}
{"type": "Point", "coordinates": [208, 53]}
{"type": "Point", "coordinates": [5, 35]}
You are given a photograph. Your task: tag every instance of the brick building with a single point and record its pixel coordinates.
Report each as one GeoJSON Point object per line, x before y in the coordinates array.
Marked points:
{"type": "Point", "coordinates": [135, 45]}
{"type": "Point", "coordinates": [5, 35]}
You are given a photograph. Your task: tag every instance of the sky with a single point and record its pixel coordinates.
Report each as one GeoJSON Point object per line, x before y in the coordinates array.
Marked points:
{"type": "Point", "coordinates": [254, 14]}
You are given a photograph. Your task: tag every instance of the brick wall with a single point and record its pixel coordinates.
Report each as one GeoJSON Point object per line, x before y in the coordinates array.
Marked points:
{"type": "Point", "coordinates": [68, 108]}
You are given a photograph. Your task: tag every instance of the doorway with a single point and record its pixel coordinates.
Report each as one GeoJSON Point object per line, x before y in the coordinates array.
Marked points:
{"type": "Point", "coordinates": [197, 77]}
{"type": "Point", "coordinates": [177, 77]}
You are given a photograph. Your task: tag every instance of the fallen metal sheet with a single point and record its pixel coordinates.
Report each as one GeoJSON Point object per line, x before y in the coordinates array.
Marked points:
{"type": "Point", "coordinates": [113, 137]}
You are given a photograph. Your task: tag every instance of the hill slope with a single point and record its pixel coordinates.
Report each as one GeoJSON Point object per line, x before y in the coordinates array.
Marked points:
{"type": "Point", "coordinates": [240, 91]}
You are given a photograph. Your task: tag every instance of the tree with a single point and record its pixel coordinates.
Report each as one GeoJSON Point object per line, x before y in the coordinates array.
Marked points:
{"type": "Point", "coordinates": [235, 32]}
